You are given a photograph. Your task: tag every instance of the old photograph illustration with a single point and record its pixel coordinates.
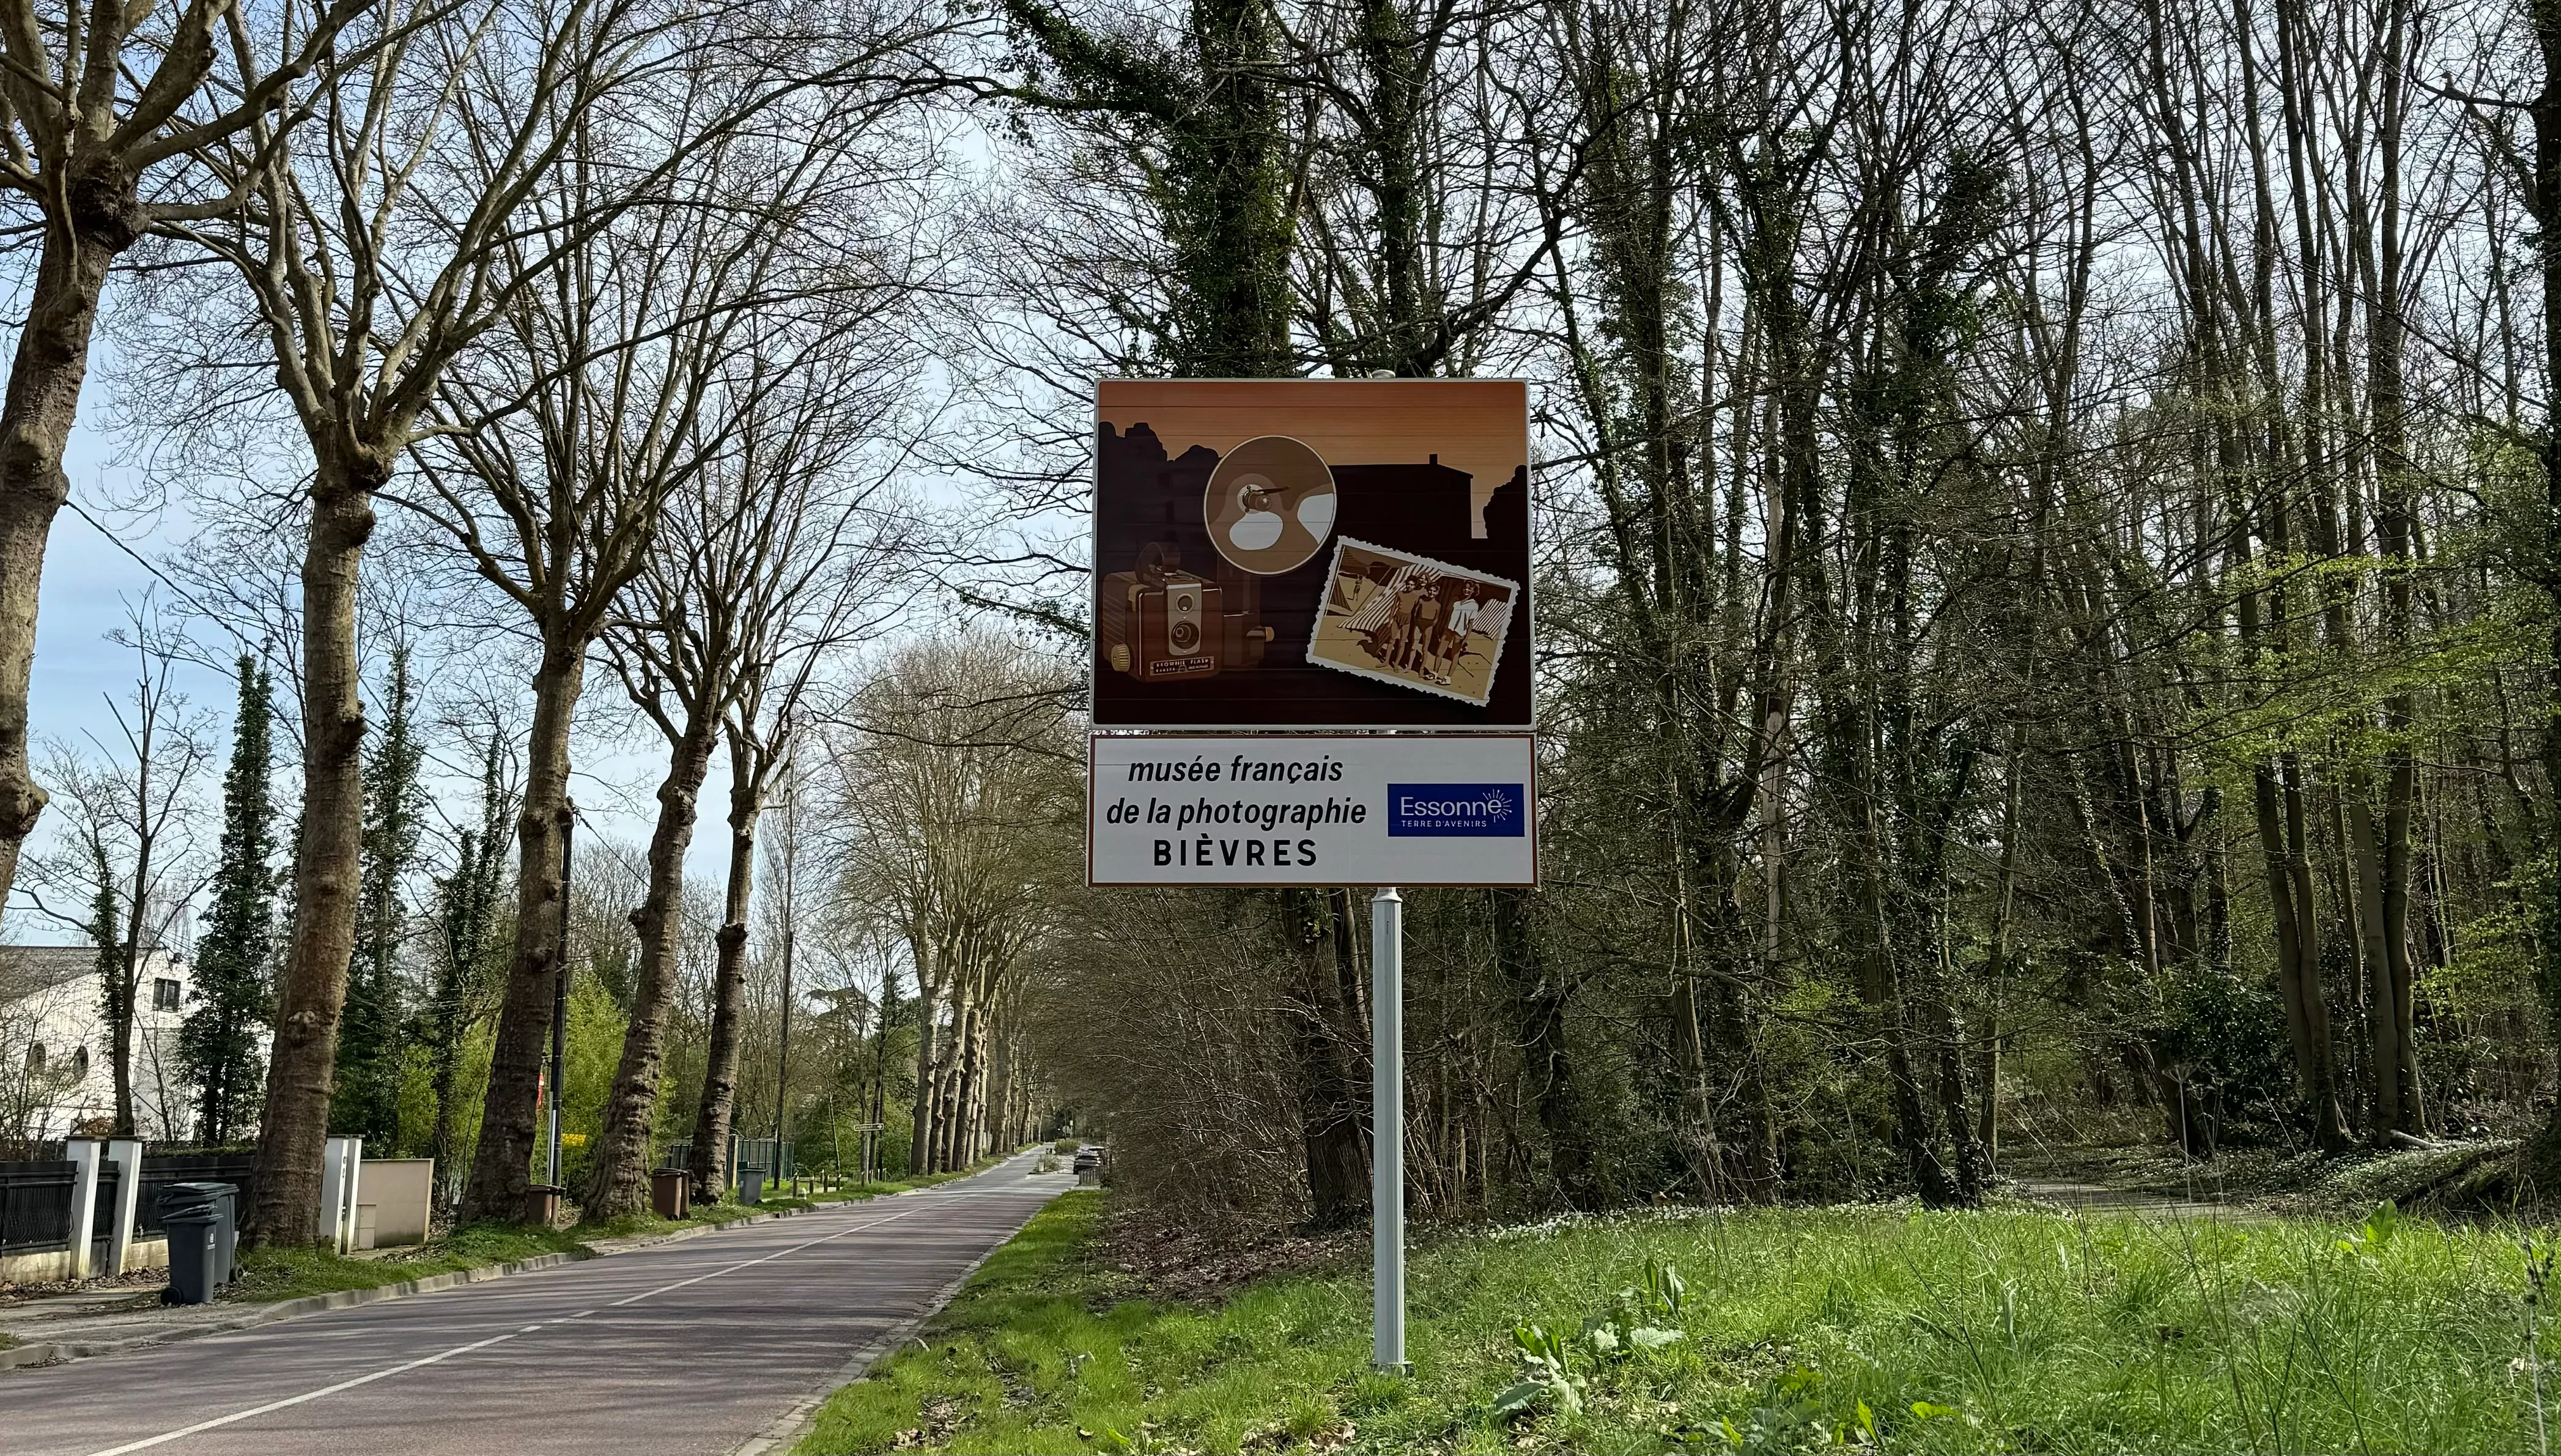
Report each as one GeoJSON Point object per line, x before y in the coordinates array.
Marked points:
{"type": "Point", "coordinates": [1406, 619]}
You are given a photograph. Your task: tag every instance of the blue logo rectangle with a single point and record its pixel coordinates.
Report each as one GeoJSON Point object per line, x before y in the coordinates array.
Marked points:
{"type": "Point", "coordinates": [1457, 810]}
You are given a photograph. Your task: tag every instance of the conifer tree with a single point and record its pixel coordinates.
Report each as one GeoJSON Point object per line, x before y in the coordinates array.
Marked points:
{"type": "Point", "coordinates": [468, 953]}
{"type": "Point", "coordinates": [370, 1041]}
{"type": "Point", "coordinates": [115, 999]}
{"type": "Point", "coordinates": [218, 1045]}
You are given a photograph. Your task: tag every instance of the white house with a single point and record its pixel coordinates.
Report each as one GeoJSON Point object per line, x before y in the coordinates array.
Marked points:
{"type": "Point", "coordinates": [57, 1078]}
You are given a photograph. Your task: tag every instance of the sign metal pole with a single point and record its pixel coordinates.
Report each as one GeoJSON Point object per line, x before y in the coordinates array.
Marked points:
{"type": "Point", "coordinates": [1387, 1123]}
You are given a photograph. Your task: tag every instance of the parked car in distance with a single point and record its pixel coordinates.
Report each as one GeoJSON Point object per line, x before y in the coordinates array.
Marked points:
{"type": "Point", "coordinates": [1089, 1158]}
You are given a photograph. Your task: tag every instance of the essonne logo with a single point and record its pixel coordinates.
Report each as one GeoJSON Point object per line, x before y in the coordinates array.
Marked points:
{"type": "Point", "coordinates": [1491, 810]}
{"type": "Point", "coordinates": [1410, 807]}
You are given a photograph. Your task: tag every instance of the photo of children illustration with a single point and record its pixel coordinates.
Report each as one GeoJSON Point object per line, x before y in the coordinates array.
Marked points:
{"type": "Point", "coordinates": [1412, 622]}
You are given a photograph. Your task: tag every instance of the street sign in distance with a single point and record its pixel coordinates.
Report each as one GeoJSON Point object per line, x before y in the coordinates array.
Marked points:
{"type": "Point", "coordinates": [1313, 809]}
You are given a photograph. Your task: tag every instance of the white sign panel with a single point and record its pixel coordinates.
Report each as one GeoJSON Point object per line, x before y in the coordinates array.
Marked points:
{"type": "Point", "coordinates": [1312, 810]}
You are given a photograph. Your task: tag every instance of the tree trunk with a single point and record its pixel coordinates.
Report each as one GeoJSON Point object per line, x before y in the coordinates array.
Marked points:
{"type": "Point", "coordinates": [2383, 1028]}
{"type": "Point", "coordinates": [708, 1164]}
{"type": "Point", "coordinates": [2330, 1121]}
{"type": "Point", "coordinates": [1538, 1018]}
{"type": "Point", "coordinates": [965, 1122]}
{"type": "Point", "coordinates": [2399, 533]}
{"type": "Point", "coordinates": [502, 1166]}
{"type": "Point", "coordinates": [920, 1143]}
{"type": "Point", "coordinates": [619, 1182]}
{"type": "Point", "coordinates": [35, 417]}
{"type": "Point", "coordinates": [946, 1077]}
{"type": "Point", "coordinates": [301, 1072]}
{"type": "Point", "coordinates": [880, 1078]}
{"type": "Point", "coordinates": [447, 1078]}
{"type": "Point", "coordinates": [1330, 1130]}
{"type": "Point", "coordinates": [127, 991]}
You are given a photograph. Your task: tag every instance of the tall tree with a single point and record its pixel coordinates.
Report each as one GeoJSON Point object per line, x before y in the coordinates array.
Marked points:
{"type": "Point", "coordinates": [378, 244]}
{"type": "Point", "coordinates": [134, 840]}
{"type": "Point", "coordinates": [777, 551]}
{"type": "Point", "coordinates": [2542, 188]}
{"type": "Point", "coordinates": [218, 1045]}
{"type": "Point", "coordinates": [619, 380]}
{"type": "Point", "coordinates": [1201, 120]}
{"type": "Point", "coordinates": [93, 132]}
{"type": "Point", "coordinates": [371, 1043]}
{"type": "Point", "coordinates": [467, 959]}
{"type": "Point", "coordinates": [947, 781]}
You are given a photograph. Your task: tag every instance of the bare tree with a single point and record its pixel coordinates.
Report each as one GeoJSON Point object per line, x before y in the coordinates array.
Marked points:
{"type": "Point", "coordinates": [956, 788]}
{"type": "Point", "coordinates": [380, 246]}
{"type": "Point", "coordinates": [131, 864]}
{"type": "Point", "coordinates": [623, 375]}
{"type": "Point", "coordinates": [103, 103]}
{"type": "Point", "coordinates": [778, 551]}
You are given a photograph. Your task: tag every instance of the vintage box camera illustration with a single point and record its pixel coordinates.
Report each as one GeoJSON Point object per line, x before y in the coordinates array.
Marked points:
{"type": "Point", "coordinates": [1243, 528]}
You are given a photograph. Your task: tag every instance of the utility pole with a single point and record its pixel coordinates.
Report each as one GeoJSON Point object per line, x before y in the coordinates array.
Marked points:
{"type": "Point", "coordinates": [790, 907]}
{"type": "Point", "coordinates": [878, 1118]}
{"type": "Point", "coordinates": [560, 1000]}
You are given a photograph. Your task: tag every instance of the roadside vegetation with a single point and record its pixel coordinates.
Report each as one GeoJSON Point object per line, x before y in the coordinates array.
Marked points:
{"type": "Point", "coordinates": [271, 1273]}
{"type": "Point", "coordinates": [1884, 1327]}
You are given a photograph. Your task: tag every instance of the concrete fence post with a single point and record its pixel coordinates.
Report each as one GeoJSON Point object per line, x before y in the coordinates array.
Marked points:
{"type": "Point", "coordinates": [126, 1155]}
{"type": "Point", "coordinates": [341, 1160]}
{"type": "Point", "coordinates": [85, 1154]}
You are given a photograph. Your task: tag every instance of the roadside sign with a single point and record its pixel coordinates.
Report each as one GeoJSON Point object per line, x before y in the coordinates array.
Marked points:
{"type": "Point", "coordinates": [1312, 554]}
{"type": "Point", "coordinates": [1311, 809]}
{"type": "Point", "coordinates": [1316, 555]}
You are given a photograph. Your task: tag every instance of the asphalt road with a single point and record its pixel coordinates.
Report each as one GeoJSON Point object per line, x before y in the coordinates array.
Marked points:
{"type": "Point", "coordinates": [704, 1346]}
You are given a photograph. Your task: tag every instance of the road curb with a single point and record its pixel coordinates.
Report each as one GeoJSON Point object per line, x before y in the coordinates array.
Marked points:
{"type": "Point", "coordinates": [633, 1242]}
{"type": "Point", "coordinates": [794, 1424]}
{"type": "Point", "coordinates": [58, 1352]}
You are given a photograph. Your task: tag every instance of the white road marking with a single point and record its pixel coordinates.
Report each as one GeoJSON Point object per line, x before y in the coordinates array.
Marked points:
{"type": "Point", "coordinates": [750, 1263]}
{"type": "Point", "coordinates": [223, 1420]}
{"type": "Point", "coordinates": [349, 1384]}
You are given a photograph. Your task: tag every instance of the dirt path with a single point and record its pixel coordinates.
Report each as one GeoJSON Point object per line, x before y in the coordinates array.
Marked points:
{"type": "Point", "coordinates": [2092, 1198]}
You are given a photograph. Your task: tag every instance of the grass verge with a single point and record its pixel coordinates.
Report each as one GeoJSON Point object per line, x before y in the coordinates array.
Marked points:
{"type": "Point", "coordinates": [728, 1211]}
{"type": "Point", "coordinates": [268, 1274]}
{"type": "Point", "coordinates": [1792, 1330]}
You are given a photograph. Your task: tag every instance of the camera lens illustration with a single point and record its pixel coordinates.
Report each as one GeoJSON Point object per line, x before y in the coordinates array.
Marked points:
{"type": "Point", "coordinates": [1270, 505]}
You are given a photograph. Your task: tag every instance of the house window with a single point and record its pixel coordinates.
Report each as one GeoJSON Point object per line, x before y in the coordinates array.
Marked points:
{"type": "Point", "coordinates": [36, 1057]}
{"type": "Point", "coordinates": [79, 1062]}
{"type": "Point", "coordinates": [164, 994]}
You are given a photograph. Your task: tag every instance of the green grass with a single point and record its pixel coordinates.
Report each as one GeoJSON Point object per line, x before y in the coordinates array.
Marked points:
{"type": "Point", "coordinates": [2013, 1330]}
{"type": "Point", "coordinates": [275, 1272]}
